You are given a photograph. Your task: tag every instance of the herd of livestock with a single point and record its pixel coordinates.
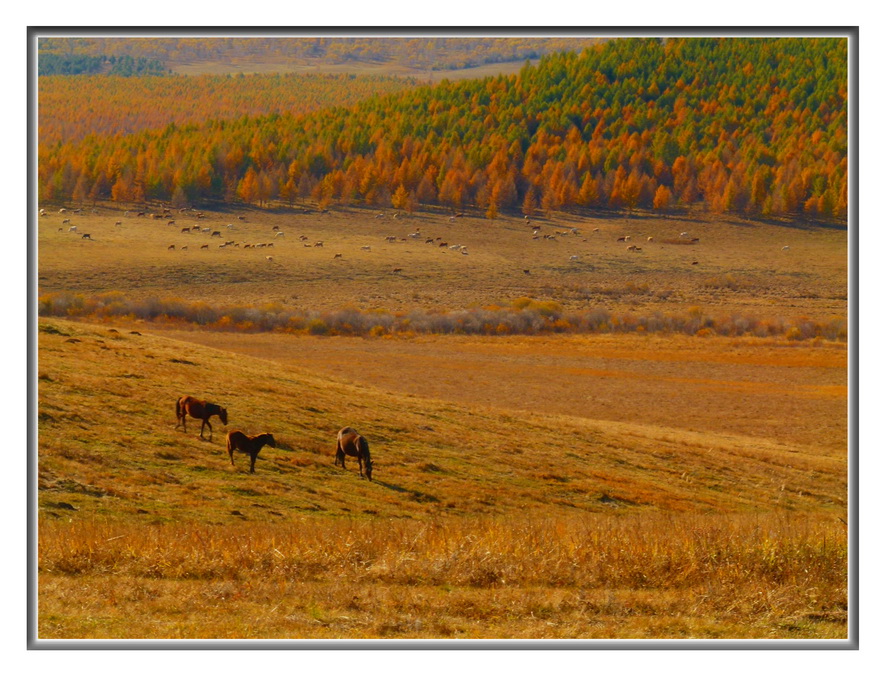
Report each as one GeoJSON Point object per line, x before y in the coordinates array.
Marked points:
{"type": "Point", "coordinates": [349, 442]}
{"type": "Point", "coordinates": [221, 232]}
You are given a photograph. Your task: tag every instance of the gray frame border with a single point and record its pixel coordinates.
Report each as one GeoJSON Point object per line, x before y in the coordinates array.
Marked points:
{"type": "Point", "coordinates": [851, 33]}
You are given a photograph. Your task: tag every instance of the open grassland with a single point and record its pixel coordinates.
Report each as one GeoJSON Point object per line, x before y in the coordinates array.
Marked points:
{"type": "Point", "coordinates": [603, 485]}
{"type": "Point", "coordinates": [736, 268]}
{"type": "Point", "coordinates": [483, 521]}
{"type": "Point", "coordinates": [370, 68]}
{"type": "Point", "coordinates": [779, 389]}
{"type": "Point", "coordinates": [72, 108]}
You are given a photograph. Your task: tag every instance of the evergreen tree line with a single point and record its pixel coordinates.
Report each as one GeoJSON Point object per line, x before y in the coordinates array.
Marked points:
{"type": "Point", "coordinates": [82, 64]}
{"type": "Point", "coordinates": [737, 125]}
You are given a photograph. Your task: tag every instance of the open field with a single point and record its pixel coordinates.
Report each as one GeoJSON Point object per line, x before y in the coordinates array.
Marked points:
{"type": "Point", "coordinates": [737, 267]}
{"type": "Point", "coordinates": [482, 521]}
{"type": "Point", "coordinates": [770, 388]}
{"type": "Point", "coordinates": [418, 441]}
{"type": "Point", "coordinates": [551, 486]}
{"type": "Point", "coordinates": [308, 66]}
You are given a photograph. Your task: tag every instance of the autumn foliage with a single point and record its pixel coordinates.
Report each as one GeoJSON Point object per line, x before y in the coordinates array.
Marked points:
{"type": "Point", "coordinates": [753, 126]}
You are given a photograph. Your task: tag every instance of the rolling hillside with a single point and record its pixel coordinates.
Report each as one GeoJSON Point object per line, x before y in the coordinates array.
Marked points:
{"type": "Point", "coordinates": [108, 448]}
{"type": "Point", "coordinates": [480, 522]}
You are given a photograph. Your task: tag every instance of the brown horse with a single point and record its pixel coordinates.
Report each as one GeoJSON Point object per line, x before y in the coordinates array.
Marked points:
{"type": "Point", "coordinates": [191, 406]}
{"type": "Point", "coordinates": [351, 443]}
{"type": "Point", "coordinates": [237, 440]}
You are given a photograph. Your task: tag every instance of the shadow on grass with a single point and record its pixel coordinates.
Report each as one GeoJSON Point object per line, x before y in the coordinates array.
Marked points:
{"type": "Point", "coordinates": [419, 496]}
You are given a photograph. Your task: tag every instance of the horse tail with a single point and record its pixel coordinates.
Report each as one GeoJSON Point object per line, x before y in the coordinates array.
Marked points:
{"type": "Point", "coordinates": [339, 452]}
{"type": "Point", "coordinates": [179, 413]}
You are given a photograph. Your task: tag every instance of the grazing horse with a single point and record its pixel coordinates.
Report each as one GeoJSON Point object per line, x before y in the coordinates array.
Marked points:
{"type": "Point", "coordinates": [191, 406]}
{"type": "Point", "coordinates": [351, 443]}
{"type": "Point", "coordinates": [239, 441]}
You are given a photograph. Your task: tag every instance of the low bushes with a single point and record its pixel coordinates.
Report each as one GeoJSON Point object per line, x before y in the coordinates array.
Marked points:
{"type": "Point", "coordinates": [524, 316]}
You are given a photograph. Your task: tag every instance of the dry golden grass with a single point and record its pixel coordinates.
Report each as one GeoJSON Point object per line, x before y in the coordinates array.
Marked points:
{"type": "Point", "coordinates": [773, 576]}
{"type": "Point", "coordinates": [808, 280]}
{"type": "Point", "coordinates": [775, 389]}
{"type": "Point", "coordinates": [107, 420]}
{"type": "Point", "coordinates": [482, 522]}
{"type": "Point", "coordinates": [526, 487]}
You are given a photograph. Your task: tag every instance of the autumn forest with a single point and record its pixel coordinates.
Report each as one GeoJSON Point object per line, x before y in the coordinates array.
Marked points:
{"type": "Point", "coordinates": [743, 126]}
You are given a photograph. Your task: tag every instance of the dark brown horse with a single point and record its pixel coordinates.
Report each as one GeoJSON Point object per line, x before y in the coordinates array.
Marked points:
{"type": "Point", "coordinates": [351, 443]}
{"type": "Point", "coordinates": [191, 406]}
{"type": "Point", "coordinates": [239, 441]}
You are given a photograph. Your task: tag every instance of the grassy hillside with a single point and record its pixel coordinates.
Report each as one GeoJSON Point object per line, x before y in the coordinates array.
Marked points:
{"type": "Point", "coordinates": [108, 447]}
{"type": "Point", "coordinates": [776, 389]}
{"type": "Point", "coordinates": [74, 107]}
{"type": "Point", "coordinates": [481, 522]}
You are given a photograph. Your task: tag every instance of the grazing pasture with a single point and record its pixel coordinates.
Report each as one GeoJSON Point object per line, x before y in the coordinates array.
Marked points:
{"type": "Point", "coordinates": [791, 392]}
{"type": "Point", "coordinates": [481, 521]}
{"type": "Point", "coordinates": [736, 266]}
{"type": "Point", "coordinates": [553, 486]}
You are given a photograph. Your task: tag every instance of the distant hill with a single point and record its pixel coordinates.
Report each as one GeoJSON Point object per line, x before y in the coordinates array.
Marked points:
{"type": "Point", "coordinates": [426, 53]}
{"type": "Point", "coordinates": [74, 107]}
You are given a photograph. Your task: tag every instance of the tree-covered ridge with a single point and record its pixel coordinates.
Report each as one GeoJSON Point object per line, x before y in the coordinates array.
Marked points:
{"type": "Point", "coordinates": [79, 64]}
{"type": "Point", "coordinates": [74, 107]}
{"type": "Point", "coordinates": [432, 53]}
{"type": "Point", "coordinates": [736, 124]}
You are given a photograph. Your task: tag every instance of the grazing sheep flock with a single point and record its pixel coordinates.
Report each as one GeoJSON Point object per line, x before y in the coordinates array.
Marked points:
{"type": "Point", "coordinates": [401, 236]}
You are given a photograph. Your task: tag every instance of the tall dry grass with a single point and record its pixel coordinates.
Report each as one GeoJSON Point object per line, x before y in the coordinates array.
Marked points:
{"type": "Point", "coordinates": [747, 575]}
{"type": "Point", "coordinates": [647, 551]}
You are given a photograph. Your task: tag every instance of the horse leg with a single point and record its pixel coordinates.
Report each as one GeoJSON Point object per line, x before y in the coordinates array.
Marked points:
{"type": "Point", "coordinates": [360, 461]}
{"type": "Point", "coordinates": [253, 455]}
{"type": "Point", "coordinates": [206, 423]}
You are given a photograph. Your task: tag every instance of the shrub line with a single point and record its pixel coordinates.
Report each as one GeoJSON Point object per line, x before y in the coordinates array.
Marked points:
{"type": "Point", "coordinates": [523, 316]}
